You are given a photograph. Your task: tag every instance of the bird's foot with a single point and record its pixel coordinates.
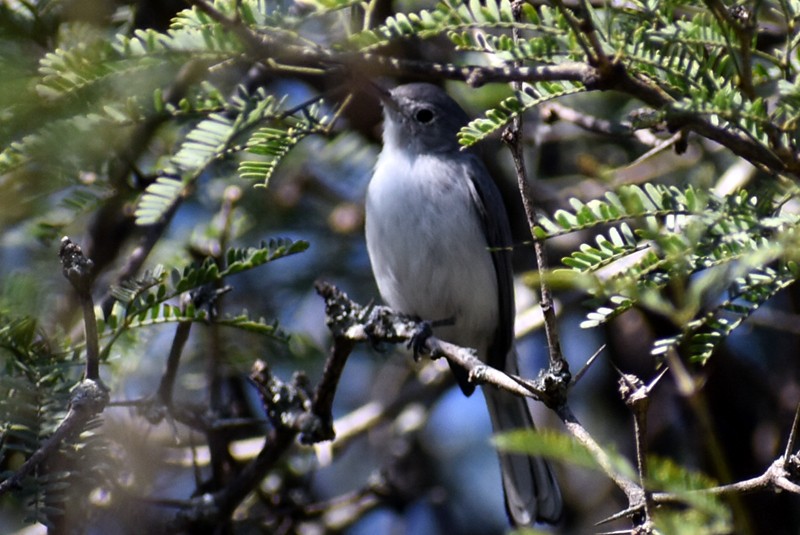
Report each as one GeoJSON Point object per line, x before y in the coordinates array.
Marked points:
{"type": "Point", "coordinates": [422, 331]}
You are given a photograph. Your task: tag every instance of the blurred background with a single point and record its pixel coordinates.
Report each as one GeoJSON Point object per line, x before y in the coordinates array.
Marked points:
{"type": "Point", "coordinates": [427, 464]}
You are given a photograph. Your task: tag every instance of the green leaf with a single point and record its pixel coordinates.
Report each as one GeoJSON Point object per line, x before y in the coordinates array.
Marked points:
{"type": "Point", "coordinates": [238, 260]}
{"type": "Point", "coordinates": [212, 139]}
{"type": "Point", "coordinates": [158, 199]}
{"type": "Point", "coordinates": [628, 203]}
{"type": "Point", "coordinates": [272, 143]}
{"type": "Point", "coordinates": [512, 107]}
{"type": "Point", "coordinates": [703, 512]}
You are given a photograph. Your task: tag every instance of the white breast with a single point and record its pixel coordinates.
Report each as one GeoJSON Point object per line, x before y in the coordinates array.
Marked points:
{"type": "Point", "coordinates": [428, 250]}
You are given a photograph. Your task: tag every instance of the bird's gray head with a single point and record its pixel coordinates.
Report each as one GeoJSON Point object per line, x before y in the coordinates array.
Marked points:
{"type": "Point", "coordinates": [421, 118]}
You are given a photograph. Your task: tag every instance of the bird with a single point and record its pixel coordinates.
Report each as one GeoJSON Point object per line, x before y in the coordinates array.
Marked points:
{"type": "Point", "coordinates": [439, 243]}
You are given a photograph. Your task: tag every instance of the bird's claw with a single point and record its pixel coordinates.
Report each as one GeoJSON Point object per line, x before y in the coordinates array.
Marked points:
{"type": "Point", "coordinates": [422, 331]}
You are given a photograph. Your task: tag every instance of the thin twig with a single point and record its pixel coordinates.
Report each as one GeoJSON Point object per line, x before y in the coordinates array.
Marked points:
{"type": "Point", "coordinates": [637, 398]}
{"type": "Point", "coordinates": [79, 271]}
{"type": "Point", "coordinates": [589, 29]}
{"type": "Point", "coordinates": [322, 404]}
{"type": "Point", "coordinates": [775, 477]}
{"type": "Point", "coordinates": [165, 388]}
{"type": "Point", "coordinates": [792, 440]}
{"type": "Point", "coordinates": [632, 491]}
{"type": "Point", "coordinates": [554, 111]}
{"type": "Point", "coordinates": [576, 26]}
{"type": "Point", "coordinates": [513, 139]}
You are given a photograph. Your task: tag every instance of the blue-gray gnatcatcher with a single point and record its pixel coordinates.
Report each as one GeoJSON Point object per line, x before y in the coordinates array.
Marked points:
{"type": "Point", "coordinates": [438, 239]}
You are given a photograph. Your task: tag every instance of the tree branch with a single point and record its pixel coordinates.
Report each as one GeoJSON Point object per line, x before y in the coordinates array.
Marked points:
{"type": "Point", "coordinates": [632, 490]}
{"type": "Point", "coordinates": [79, 271]}
{"type": "Point", "coordinates": [89, 398]}
{"type": "Point", "coordinates": [512, 136]}
{"type": "Point", "coordinates": [608, 74]}
{"type": "Point", "coordinates": [353, 322]}
{"type": "Point", "coordinates": [636, 396]}
{"type": "Point", "coordinates": [379, 324]}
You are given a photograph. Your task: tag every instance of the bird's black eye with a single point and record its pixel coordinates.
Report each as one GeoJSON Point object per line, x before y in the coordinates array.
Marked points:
{"type": "Point", "coordinates": [424, 115]}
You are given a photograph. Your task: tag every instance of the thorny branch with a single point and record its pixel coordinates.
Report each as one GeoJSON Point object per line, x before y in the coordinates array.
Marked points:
{"type": "Point", "coordinates": [351, 323]}
{"type": "Point", "coordinates": [295, 412]}
{"type": "Point", "coordinates": [782, 474]}
{"type": "Point", "coordinates": [637, 398]}
{"type": "Point", "coordinates": [165, 387]}
{"type": "Point", "coordinates": [598, 73]}
{"type": "Point", "coordinates": [513, 138]}
{"type": "Point", "coordinates": [559, 367]}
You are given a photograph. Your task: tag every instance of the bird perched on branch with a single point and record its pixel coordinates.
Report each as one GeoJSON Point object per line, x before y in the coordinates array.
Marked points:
{"type": "Point", "coordinates": [439, 242]}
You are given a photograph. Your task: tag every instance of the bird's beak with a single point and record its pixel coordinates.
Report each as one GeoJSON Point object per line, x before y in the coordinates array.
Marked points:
{"type": "Point", "coordinates": [382, 94]}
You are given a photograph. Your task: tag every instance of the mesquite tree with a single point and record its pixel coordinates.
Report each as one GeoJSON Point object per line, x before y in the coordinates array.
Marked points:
{"type": "Point", "coordinates": [208, 163]}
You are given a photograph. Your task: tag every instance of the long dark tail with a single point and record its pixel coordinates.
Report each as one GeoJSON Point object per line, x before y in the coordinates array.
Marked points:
{"type": "Point", "coordinates": [531, 490]}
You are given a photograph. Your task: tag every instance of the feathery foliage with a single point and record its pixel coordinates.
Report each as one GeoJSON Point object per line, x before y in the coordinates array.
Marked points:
{"type": "Point", "coordinates": [34, 396]}
{"type": "Point", "coordinates": [702, 244]}
{"type": "Point", "coordinates": [132, 133]}
{"type": "Point", "coordinates": [144, 302]}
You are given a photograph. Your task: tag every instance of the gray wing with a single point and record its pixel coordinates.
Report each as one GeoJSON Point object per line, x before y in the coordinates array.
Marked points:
{"type": "Point", "coordinates": [494, 220]}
